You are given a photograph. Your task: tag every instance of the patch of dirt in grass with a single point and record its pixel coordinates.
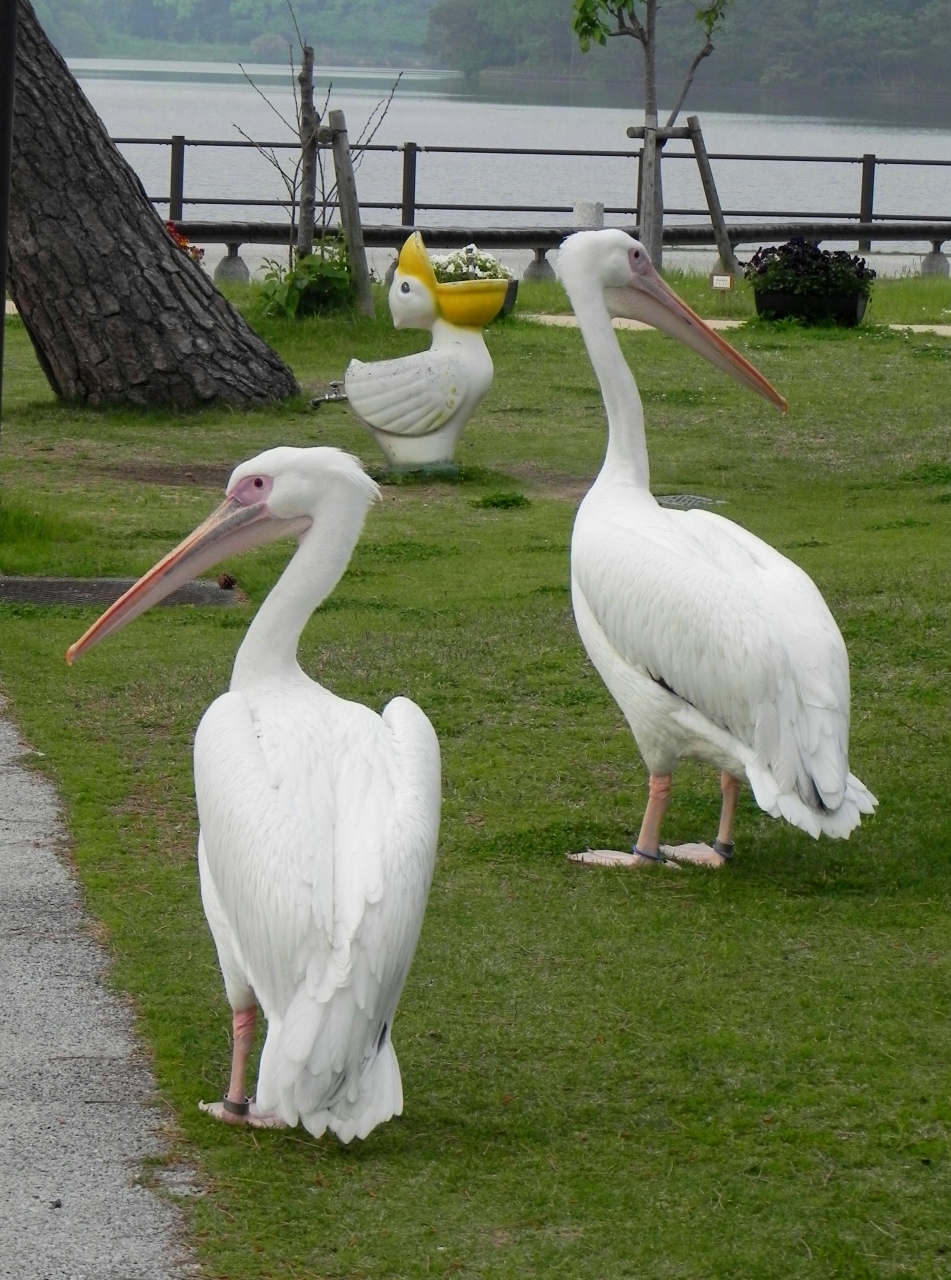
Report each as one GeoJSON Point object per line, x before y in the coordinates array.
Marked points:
{"type": "Point", "coordinates": [552, 484]}
{"type": "Point", "coordinates": [197, 475]}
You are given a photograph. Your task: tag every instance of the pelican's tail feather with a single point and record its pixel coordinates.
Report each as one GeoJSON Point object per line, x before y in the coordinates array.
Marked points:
{"type": "Point", "coordinates": [317, 1069]}
{"type": "Point", "coordinates": [379, 1098]}
{"type": "Point", "coordinates": [837, 823]}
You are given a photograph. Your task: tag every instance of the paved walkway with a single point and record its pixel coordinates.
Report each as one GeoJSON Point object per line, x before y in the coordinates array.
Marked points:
{"type": "Point", "coordinates": [74, 1116]}
{"type": "Point", "coordinates": [565, 321]}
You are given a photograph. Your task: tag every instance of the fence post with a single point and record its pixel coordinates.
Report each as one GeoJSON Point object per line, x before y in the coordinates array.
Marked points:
{"type": "Point", "coordinates": [350, 214]}
{"type": "Point", "coordinates": [410, 150]}
{"type": "Point", "coordinates": [868, 195]}
{"type": "Point", "coordinates": [725, 249]}
{"type": "Point", "coordinates": [176, 186]}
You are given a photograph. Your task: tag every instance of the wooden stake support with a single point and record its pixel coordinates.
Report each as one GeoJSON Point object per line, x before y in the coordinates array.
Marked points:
{"type": "Point", "coordinates": [725, 249]}
{"type": "Point", "coordinates": [350, 214]}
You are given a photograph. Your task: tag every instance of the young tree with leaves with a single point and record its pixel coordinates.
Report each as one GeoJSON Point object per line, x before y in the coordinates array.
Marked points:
{"type": "Point", "coordinates": [601, 20]}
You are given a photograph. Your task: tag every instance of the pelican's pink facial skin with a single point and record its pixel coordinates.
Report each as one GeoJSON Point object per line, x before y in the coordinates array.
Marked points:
{"type": "Point", "coordinates": [241, 522]}
{"type": "Point", "coordinates": [252, 489]}
{"type": "Point", "coordinates": [650, 299]}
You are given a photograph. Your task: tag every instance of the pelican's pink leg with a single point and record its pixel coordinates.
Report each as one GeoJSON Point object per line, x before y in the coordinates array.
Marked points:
{"type": "Point", "coordinates": [235, 1107]}
{"type": "Point", "coordinates": [658, 800]}
{"type": "Point", "coordinates": [730, 787]}
{"type": "Point", "coordinates": [242, 1023]}
{"type": "Point", "coordinates": [722, 849]}
{"type": "Point", "coordinates": [646, 852]}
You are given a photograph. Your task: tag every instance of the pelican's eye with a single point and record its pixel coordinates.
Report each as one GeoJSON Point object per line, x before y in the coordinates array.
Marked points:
{"type": "Point", "coordinates": [638, 261]}
{"type": "Point", "coordinates": [404, 287]}
{"type": "Point", "coordinates": [252, 490]}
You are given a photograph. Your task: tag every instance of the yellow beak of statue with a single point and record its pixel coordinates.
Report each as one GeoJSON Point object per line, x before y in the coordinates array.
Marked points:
{"type": "Point", "coordinates": [470, 304]}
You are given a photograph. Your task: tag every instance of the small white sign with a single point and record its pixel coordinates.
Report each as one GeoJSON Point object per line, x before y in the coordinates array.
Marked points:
{"type": "Point", "coordinates": [721, 282]}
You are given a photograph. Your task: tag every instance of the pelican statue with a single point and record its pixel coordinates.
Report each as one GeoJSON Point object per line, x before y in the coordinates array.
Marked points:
{"type": "Point", "coordinates": [318, 817]}
{"type": "Point", "coordinates": [416, 407]}
{"type": "Point", "coordinates": [715, 646]}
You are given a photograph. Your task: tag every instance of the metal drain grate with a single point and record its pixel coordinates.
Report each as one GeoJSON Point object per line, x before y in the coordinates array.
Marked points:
{"type": "Point", "coordinates": [686, 501]}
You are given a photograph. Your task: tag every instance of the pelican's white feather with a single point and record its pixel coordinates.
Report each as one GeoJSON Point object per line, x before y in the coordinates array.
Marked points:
{"type": "Point", "coordinates": [319, 822]}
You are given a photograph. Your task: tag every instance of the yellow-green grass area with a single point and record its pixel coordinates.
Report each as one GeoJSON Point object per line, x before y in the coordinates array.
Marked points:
{"type": "Point", "coordinates": [894, 300]}
{"type": "Point", "coordinates": [655, 1074]}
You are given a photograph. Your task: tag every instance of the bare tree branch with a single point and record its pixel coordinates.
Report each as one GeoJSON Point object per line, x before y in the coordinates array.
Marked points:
{"type": "Point", "coordinates": [704, 53]}
{"type": "Point", "coordinates": [384, 103]}
{"type": "Point", "coordinates": [261, 94]}
{"type": "Point", "coordinates": [300, 38]}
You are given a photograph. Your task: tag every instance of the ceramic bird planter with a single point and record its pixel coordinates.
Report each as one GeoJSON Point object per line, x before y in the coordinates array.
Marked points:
{"type": "Point", "coordinates": [416, 407]}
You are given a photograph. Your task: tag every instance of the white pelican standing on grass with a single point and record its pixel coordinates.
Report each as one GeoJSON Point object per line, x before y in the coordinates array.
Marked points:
{"type": "Point", "coordinates": [715, 646]}
{"type": "Point", "coordinates": [319, 818]}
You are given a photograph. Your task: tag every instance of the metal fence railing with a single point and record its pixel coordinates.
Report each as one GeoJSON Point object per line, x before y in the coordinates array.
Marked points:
{"type": "Point", "coordinates": [409, 205]}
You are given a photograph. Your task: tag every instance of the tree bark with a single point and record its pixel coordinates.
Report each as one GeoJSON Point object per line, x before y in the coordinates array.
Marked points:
{"type": "Point", "coordinates": [118, 314]}
{"type": "Point", "coordinates": [308, 151]}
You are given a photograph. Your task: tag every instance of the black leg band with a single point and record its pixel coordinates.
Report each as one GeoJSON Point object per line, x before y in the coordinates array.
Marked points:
{"type": "Point", "coordinates": [723, 848]}
{"type": "Point", "coordinates": [236, 1108]}
{"type": "Point", "coordinates": [651, 857]}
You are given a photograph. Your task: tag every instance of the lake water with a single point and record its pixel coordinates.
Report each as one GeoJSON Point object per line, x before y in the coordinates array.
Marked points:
{"type": "Point", "coordinates": [211, 101]}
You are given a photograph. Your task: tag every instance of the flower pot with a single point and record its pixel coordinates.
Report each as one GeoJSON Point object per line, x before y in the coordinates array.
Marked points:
{"type": "Point", "coordinates": [844, 308]}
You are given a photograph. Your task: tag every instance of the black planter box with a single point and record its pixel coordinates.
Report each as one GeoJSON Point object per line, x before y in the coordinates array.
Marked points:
{"type": "Point", "coordinates": [844, 308]}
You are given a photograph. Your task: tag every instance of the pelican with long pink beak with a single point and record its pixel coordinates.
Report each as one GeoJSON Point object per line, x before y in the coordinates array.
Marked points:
{"type": "Point", "coordinates": [319, 818]}
{"type": "Point", "coordinates": [715, 647]}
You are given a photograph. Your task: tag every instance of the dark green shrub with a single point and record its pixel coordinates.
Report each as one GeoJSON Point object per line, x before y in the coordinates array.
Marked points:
{"type": "Point", "coordinates": [803, 268]}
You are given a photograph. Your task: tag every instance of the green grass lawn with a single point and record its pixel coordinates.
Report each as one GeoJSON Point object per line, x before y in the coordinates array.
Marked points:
{"type": "Point", "coordinates": [743, 1074]}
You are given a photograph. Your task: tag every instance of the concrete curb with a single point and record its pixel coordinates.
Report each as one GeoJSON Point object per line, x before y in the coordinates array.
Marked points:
{"type": "Point", "coordinates": [75, 1120]}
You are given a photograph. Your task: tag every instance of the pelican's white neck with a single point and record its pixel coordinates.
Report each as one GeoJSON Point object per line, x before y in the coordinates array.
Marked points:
{"type": "Point", "coordinates": [626, 456]}
{"type": "Point", "coordinates": [269, 650]}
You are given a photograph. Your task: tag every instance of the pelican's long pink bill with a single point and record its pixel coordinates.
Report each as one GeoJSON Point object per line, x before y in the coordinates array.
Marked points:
{"type": "Point", "coordinates": [650, 299]}
{"type": "Point", "coordinates": [234, 527]}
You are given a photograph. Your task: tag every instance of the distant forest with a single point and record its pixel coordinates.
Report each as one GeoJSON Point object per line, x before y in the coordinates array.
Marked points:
{"type": "Point", "coordinates": [771, 44]}
{"type": "Point", "coordinates": [387, 31]}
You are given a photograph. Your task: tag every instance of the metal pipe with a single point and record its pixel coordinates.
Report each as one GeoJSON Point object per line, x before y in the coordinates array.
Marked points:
{"type": "Point", "coordinates": [410, 150]}
{"type": "Point", "coordinates": [176, 183]}
{"type": "Point", "coordinates": [551, 236]}
{"type": "Point", "coordinates": [868, 196]}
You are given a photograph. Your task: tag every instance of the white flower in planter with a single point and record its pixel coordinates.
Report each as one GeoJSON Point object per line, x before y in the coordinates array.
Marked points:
{"type": "Point", "coordinates": [470, 263]}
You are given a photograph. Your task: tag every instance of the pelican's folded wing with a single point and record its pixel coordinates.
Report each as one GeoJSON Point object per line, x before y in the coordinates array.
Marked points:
{"type": "Point", "coordinates": [707, 617]}
{"type": "Point", "coordinates": [412, 396]}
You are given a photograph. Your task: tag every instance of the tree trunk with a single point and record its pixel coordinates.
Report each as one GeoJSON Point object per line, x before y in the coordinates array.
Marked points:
{"type": "Point", "coordinates": [308, 152]}
{"type": "Point", "coordinates": [117, 313]}
{"type": "Point", "coordinates": [653, 223]}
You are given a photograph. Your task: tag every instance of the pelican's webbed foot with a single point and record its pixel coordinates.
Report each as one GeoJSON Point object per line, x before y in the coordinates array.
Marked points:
{"type": "Point", "coordinates": [615, 858]}
{"type": "Point", "coordinates": [247, 1112]}
{"type": "Point", "coordinates": [699, 854]}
